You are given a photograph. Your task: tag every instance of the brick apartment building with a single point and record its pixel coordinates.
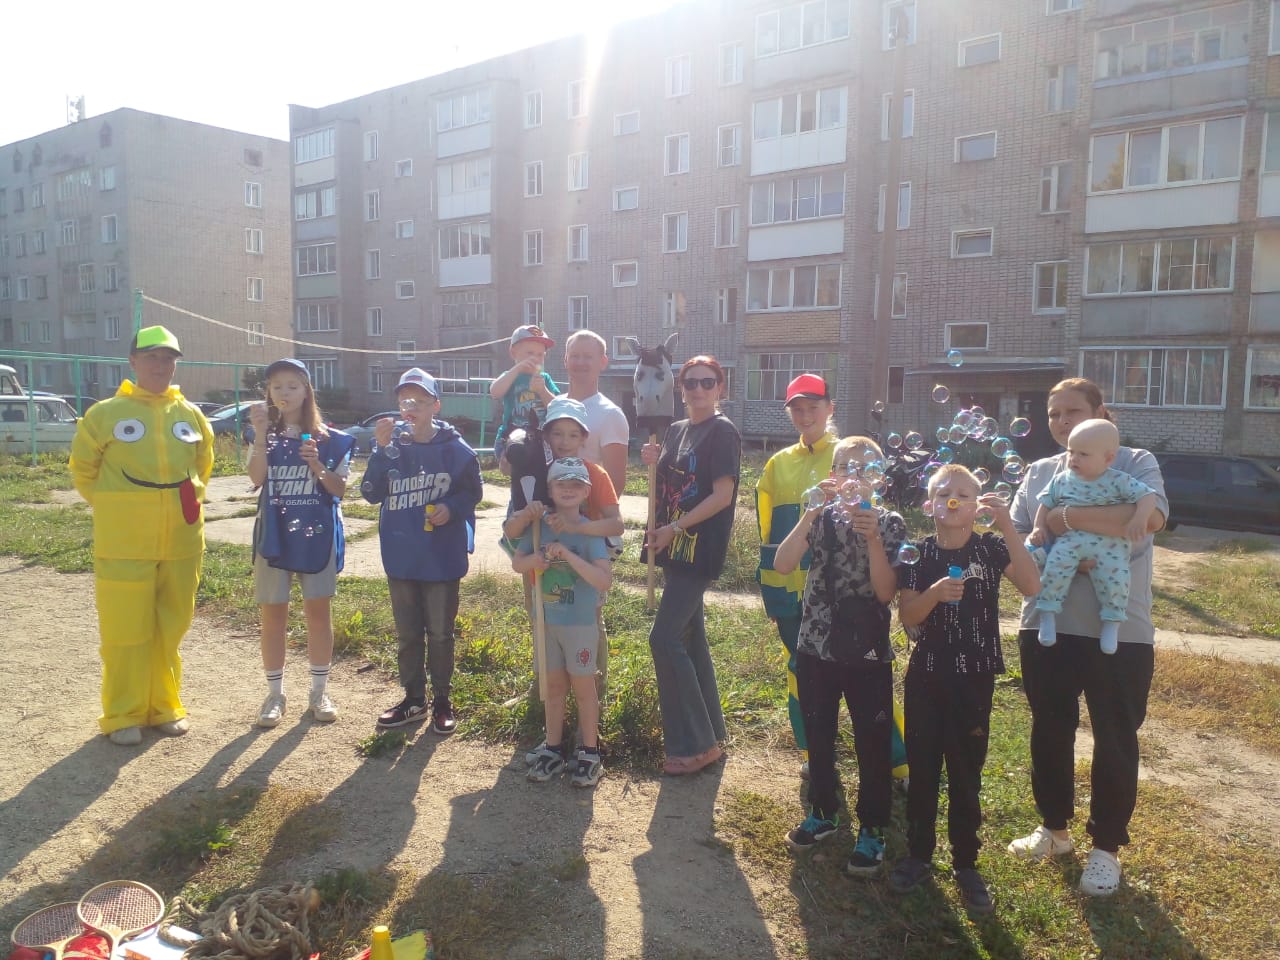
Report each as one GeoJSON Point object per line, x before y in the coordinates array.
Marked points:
{"type": "Point", "coordinates": [1086, 186]}
{"type": "Point", "coordinates": [193, 215]}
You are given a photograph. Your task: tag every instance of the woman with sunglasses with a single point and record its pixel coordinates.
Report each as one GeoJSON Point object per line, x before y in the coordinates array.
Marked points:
{"type": "Point", "coordinates": [698, 464]}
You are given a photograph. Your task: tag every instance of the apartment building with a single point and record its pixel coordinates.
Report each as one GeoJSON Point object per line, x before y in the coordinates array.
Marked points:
{"type": "Point", "coordinates": [1070, 200]}
{"type": "Point", "coordinates": [193, 215]}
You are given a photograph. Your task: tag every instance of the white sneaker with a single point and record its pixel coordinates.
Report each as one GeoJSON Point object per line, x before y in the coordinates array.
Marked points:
{"type": "Point", "coordinates": [322, 707]}
{"type": "Point", "coordinates": [1101, 876]}
{"type": "Point", "coordinates": [126, 736]}
{"type": "Point", "coordinates": [1041, 843]}
{"type": "Point", "coordinates": [174, 728]}
{"type": "Point", "coordinates": [272, 710]}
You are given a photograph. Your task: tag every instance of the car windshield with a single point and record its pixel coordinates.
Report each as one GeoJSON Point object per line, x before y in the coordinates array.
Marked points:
{"type": "Point", "coordinates": [56, 412]}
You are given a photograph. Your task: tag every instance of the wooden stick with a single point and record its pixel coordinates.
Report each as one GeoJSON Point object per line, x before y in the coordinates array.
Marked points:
{"type": "Point", "coordinates": [539, 619]}
{"type": "Point", "coordinates": [653, 519]}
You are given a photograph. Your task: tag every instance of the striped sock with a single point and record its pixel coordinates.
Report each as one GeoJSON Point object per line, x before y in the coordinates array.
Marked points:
{"type": "Point", "coordinates": [275, 681]}
{"type": "Point", "coordinates": [319, 677]}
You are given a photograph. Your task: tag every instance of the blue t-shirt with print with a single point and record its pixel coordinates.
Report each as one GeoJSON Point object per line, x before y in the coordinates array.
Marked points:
{"type": "Point", "coordinates": [567, 599]}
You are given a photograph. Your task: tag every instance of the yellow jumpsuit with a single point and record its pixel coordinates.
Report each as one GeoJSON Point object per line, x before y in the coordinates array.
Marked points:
{"type": "Point", "coordinates": [142, 461]}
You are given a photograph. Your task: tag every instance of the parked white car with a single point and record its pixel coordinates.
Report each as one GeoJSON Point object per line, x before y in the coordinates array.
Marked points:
{"type": "Point", "coordinates": [54, 426]}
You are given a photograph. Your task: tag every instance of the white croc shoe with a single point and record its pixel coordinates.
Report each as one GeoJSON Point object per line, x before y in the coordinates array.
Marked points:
{"type": "Point", "coordinates": [1101, 876]}
{"type": "Point", "coordinates": [1039, 844]}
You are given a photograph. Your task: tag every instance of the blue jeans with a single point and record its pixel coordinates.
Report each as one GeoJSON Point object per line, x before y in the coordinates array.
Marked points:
{"type": "Point", "coordinates": [692, 721]}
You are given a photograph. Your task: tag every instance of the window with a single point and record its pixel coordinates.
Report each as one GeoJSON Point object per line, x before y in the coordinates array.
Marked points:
{"type": "Point", "coordinates": [1262, 379]}
{"type": "Point", "coordinates": [1060, 89]}
{"type": "Point", "coordinates": [533, 311]}
{"type": "Point", "coordinates": [967, 336]}
{"type": "Point", "coordinates": [4, 245]}
{"type": "Point", "coordinates": [404, 168]}
{"type": "Point", "coordinates": [578, 170]}
{"type": "Point", "coordinates": [19, 245]}
{"type": "Point", "coordinates": [313, 146]}
{"type": "Point", "coordinates": [577, 243]}
{"type": "Point", "coordinates": [532, 109]}
{"type": "Point", "coordinates": [1158, 377]}
{"type": "Point", "coordinates": [6, 290]}
{"type": "Point", "coordinates": [37, 241]}
{"type": "Point", "coordinates": [68, 233]}
{"type": "Point", "coordinates": [785, 199]}
{"type": "Point", "coordinates": [70, 185]}
{"type": "Point", "coordinates": [898, 18]}
{"type": "Point", "coordinates": [769, 373]}
{"type": "Point", "coordinates": [628, 198]}
{"type": "Point", "coordinates": [677, 154]}
{"type": "Point", "coordinates": [679, 76]}
{"type": "Point", "coordinates": [316, 317]}
{"type": "Point", "coordinates": [370, 145]}
{"type": "Point", "coordinates": [1055, 188]}
{"type": "Point", "coordinates": [798, 113]}
{"type": "Point", "coordinates": [1274, 45]}
{"type": "Point", "coordinates": [898, 304]}
{"type": "Point", "coordinates": [729, 145]}
{"type": "Point", "coordinates": [372, 264]}
{"type": "Point", "coordinates": [465, 375]}
{"type": "Point", "coordinates": [626, 273]}
{"type": "Point", "coordinates": [373, 321]}
{"type": "Point", "coordinates": [404, 290]}
{"type": "Point", "coordinates": [674, 310]}
{"type": "Point", "coordinates": [728, 225]}
{"type": "Point", "coordinates": [533, 248]}
{"type": "Point", "coordinates": [978, 146]}
{"type": "Point", "coordinates": [372, 205]}
{"type": "Point", "coordinates": [463, 110]}
{"type": "Point", "coordinates": [729, 68]}
{"type": "Point", "coordinates": [4, 202]}
{"type": "Point", "coordinates": [41, 287]}
{"type": "Point", "coordinates": [377, 378]}
{"type": "Point", "coordinates": [1271, 145]}
{"type": "Point", "coordinates": [324, 372]}
{"type": "Point", "coordinates": [110, 278]}
{"type": "Point", "coordinates": [971, 243]}
{"type": "Point", "coordinates": [464, 310]}
{"type": "Point", "coordinates": [794, 288]}
{"type": "Point", "coordinates": [1063, 6]}
{"type": "Point", "coordinates": [111, 327]}
{"type": "Point", "coordinates": [979, 50]}
{"type": "Point", "coordinates": [46, 336]}
{"type": "Point", "coordinates": [801, 25]}
{"type": "Point", "coordinates": [626, 123]}
{"type": "Point", "coordinates": [577, 313]}
{"type": "Point", "coordinates": [254, 289]}
{"type": "Point", "coordinates": [461, 240]}
{"type": "Point", "coordinates": [726, 305]}
{"type": "Point", "coordinates": [577, 99]}
{"type": "Point", "coordinates": [1176, 155]}
{"type": "Point", "coordinates": [904, 207]}
{"type": "Point", "coordinates": [107, 181]}
{"type": "Point", "coordinates": [622, 348]}
{"type": "Point", "coordinates": [252, 193]}
{"type": "Point", "coordinates": [407, 350]}
{"type": "Point", "coordinates": [317, 258]}
{"type": "Point", "coordinates": [88, 281]}
{"type": "Point", "coordinates": [252, 239]}
{"type": "Point", "coordinates": [404, 229]}
{"type": "Point", "coordinates": [908, 114]}
{"type": "Point", "coordinates": [22, 290]}
{"type": "Point", "coordinates": [1166, 265]}
{"type": "Point", "coordinates": [1050, 287]}
{"type": "Point", "coordinates": [675, 232]}
{"type": "Point", "coordinates": [1174, 43]}
{"type": "Point", "coordinates": [317, 202]}
{"type": "Point", "coordinates": [110, 229]}
{"type": "Point", "coordinates": [533, 178]}
{"type": "Point", "coordinates": [464, 176]}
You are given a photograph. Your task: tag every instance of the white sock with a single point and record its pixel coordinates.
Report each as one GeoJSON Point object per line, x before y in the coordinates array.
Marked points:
{"type": "Point", "coordinates": [275, 681]}
{"type": "Point", "coordinates": [319, 677]}
{"type": "Point", "coordinates": [1110, 638]}
{"type": "Point", "coordinates": [1048, 629]}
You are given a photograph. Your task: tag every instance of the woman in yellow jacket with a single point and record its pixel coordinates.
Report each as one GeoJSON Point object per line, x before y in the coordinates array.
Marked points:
{"type": "Point", "coordinates": [142, 459]}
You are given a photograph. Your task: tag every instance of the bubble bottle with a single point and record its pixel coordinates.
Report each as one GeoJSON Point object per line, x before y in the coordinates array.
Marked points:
{"type": "Point", "coordinates": [427, 525]}
{"type": "Point", "coordinates": [955, 573]}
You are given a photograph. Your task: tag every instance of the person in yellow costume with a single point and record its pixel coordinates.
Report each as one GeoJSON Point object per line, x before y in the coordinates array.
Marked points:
{"type": "Point", "coordinates": [142, 459]}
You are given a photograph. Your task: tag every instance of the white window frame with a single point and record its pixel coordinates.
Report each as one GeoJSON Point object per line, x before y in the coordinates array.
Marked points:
{"type": "Point", "coordinates": [110, 228]}
{"type": "Point", "coordinates": [765, 203]}
{"type": "Point", "coordinates": [1270, 141]}
{"type": "Point", "coordinates": [68, 233]}
{"type": "Point", "coordinates": [886, 21]}
{"type": "Point", "coordinates": [576, 95]}
{"type": "Point", "coordinates": [254, 291]}
{"type": "Point", "coordinates": [315, 203]}
{"type": "Point", "coordinates": [315, 317]}
{"type": "Point", "coordinates": [370, 145]}
{"type": "Point", "coordinates": [38, 242]}
{"type": "Point", "coordinates": [620, 193]}
{"type": "Point", "coordinates": [22, 285]}
{"type": "Point", "coordinates": [1060, 273]}
{"type": "Point", "coordinates": [904, 206]}
{"type": "Point", "coordinates": [776, 302]}
{"type": "Point", "coordinates": [404, 229]}
{"type": "Point", "coordinates": [471, 238]}
{"type": "Point", "coordinates": [908, 114]}
{"type": "Point", "coordinates": [252, 240]}
{"type": "Point", "coordinates": [313, 145]}
{"type": "Point", "coordinates": [576, 243]}
{"type": "Point", "coordinates": [1162, 160]}
{"type": "Point", "coordinates": [579, 316]}
{"type": "Point", "coordinates": [1272, 361]}
{"type": "Point", "coordinates": [897, 300]}
{"type": "Point", "coordinates": [680, 221]}
{"type": "Point", "coordinates": [404, 168]}
{"type": "Point", "coordinates": [110, 278]}
{"type": "Point", "coordinates": [622, 349]}
{"type": "Point", "coordinates": [405, 290]}
{"type": "Point", "coordinates": [950, 330]}
{"type": "Point", "coordinates": [784, 366]}
{"type": "Point", "coordinates": [626, 273]}
{"type": "Point", "coordinates": [377, 379]}
{"type": "Point", "coordinates": [579, 171]}
{"type": "Point", "coordinates": [681, 142]}
{"type": "Point", "coordinates": [1159, 252]}
{"type": "Point", "coordinates": [675, 310]}
{"type": "Point", "coordinates": [982, 137]}
{"type": "Point", "coordinates": [1058, 199]}
{"type": "Point", "coordinates": [532, 109]}
{"type": "Point", "coordinates": [958, 235]}
{"type": "Point", "coordinates": [1152, 47]}
{"type": "Point", "coordinates": [730, 66]}
{"type": "Point", "coordinates": [729, 154]}
{"type": "Point", "coordinates": [734, 212]}
{"type": "Point", "coordinates": [252, 192]}
{"type": "Point", "coordinates": [111, 327]}
{"type": "Point", "coordinates": [1273, 45]}
{"type": "Point", "coordinates": [965, 47]}
{"type": "Point", "coordinates": [1128, 353]}
{"type": "Point", "coordinates": [726, 305]}
{"type": "Point", "coordinates": [679, 76]}
{"type": "Point", "coordinates": [772, 40]}
{"type": "Point", "coordinates": [373, 321]}
{"type": "Point", "coordinates": [465, 109]}
{"type": "Point", "coordinates": [107, 181]}
{"type": "Point", "coordinates": [792, 105]}
{"type": "Point", "coordinates": [533, 178]}
{"type": "Point", "coordinates": [406, 351]}
{"type": "Point", "coordinates": [372, 206]}
{"type": "Point", "coordinates": [533, 253]}
{"type": "Point", "coordinates": [373, 264]}
{"type": "Point", "coordinates": [625, 124]}
{"type": "Point", "coordinates": [533, 311]}
{"type": "Point", "coordinates": [1062, 96]}
{"type": "Point", "coordinates": [87, 276]}
{"type": "Point", "coordinates": [1062, 6]}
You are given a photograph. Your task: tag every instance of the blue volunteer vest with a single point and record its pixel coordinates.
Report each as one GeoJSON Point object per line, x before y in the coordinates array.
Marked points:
{"type": "Point", "coordinates": [299, 523]}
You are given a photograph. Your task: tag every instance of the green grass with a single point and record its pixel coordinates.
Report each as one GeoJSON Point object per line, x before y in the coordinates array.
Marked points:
{"type": "Point", "coordinates": [1230, 593]}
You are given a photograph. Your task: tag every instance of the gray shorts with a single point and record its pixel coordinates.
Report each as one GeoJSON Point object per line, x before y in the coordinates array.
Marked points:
{"type": "Point", "coordinates": [572, 648]}
{"type": "Point", "coordinates": [271, 584]}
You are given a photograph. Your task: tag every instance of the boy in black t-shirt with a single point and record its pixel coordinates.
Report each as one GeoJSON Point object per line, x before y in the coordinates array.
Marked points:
{"type": "Point", "coordinates": [949, 605]}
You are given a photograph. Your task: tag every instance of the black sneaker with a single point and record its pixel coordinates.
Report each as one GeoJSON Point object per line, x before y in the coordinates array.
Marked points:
{"type": "Point", "coordinates": [549, 763]}
{"type": "Point", "coordinates": [811, 832]}
{"type": "Point", "coordinates": [868, 855]}
{"type": "Point", "coordinates": [443, 720]}
{"type": "Point", "coordinates": [405, 712]}
{"type": "Point", "coordinates": [909, 874]}
{"type": "Point", "coordinates": [973, 891]}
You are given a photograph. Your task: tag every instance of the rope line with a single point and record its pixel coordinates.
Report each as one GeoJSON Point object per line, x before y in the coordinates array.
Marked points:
{"type": "Point", "coordinates": [248, 926]}
{"type": "Point", "coordinates": [317, 346]}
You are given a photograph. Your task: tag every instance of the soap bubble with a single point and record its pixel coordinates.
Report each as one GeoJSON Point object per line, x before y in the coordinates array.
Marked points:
{"type": "Point", "coordinates": [927, 508]}
{"type": "Point", "coordinates": [294, 525]}
{"type": "Point", "coordinates": [909, 554]}
{"type": "Point", "coordinates": [990, 427]}
{"type": "Point", "coordinates": [1012, 474]}
{"type": "Point", "coordinates": [977, 411]}
{"type": "Point", "coordinates": [878, 407]}
{"type": "Point", "coordinates": [914, 441]}
{"type": "Point", "coordinates": [1003, 490]}
{"type": "Point", "coordinates": [942, 433]}
{"type": "Point", "coordinates": [851, 492]}
{"type": "Point", "coordinates": [309, 532]}
{"type": "Point", "coordinates": [963, 417]}
{"type": "Point", "coordinates": [1013, 467]}
{"type": "Point", "coordinates": [409, 404]}
{"type": "Point", "coordinates": [940, 394]}
{"type": "Point", "coordinates": [877, 501]}
{"type": "Point", "coordinates": [923, 482]}
{"type": "Point", "coordinates": [957, 434]}
{"type": "Point", "coordinates": [955, 357]}
{"type": "Point", "coordinates": [392, 451]}
{"type": "Point", "coordinates": [814, 497]}
{"type": "Point", "coordinates": [982, 475]}
{"type": "Point", "coordinates": [873, 470]}
{"type": "Point", "coordinates": [984, 517]}
{"type": "Point", "coordinates": [1001, 447]}
{"type": "Point", "coordinates": [894, 440]}
{"type": "Point", "coordinates": [366, 487]}
{"type": "Point", "coordinates": [1019, 426]}
{"type": "Point", "coordinates": [945, 454]}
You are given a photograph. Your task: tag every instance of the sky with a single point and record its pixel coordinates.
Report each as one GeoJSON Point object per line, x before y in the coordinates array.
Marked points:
{"type": "Point", "coordinates": [239, 64]}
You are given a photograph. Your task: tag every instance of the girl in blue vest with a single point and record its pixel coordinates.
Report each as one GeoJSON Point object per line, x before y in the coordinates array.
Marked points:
{"type": "Point", "coordinates": [301, 468]}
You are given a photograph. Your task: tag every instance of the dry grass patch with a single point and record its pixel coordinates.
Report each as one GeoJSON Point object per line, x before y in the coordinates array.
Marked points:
{"type": "Point", "coordinates": [1214, 694]}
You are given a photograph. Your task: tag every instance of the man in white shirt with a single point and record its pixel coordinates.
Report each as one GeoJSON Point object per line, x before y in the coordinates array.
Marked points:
{"type": "Point", "coordinates": [585, 358]}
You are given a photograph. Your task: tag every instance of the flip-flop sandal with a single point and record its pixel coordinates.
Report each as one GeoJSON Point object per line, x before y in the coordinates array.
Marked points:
{"type": "Point", "coordinates": [1101, 876]}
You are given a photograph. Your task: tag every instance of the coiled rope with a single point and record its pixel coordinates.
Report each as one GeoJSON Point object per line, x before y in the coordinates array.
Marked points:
{"type": "Point", "coordinates": [248, 926]}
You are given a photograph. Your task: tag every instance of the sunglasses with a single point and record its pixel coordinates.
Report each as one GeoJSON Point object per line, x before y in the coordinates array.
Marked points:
{"type": "Point", "coordinates": [694, 383]}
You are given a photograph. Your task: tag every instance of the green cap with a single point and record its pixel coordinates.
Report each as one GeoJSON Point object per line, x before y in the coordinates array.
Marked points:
{"type": "Point", "coordinates": [155, 338]}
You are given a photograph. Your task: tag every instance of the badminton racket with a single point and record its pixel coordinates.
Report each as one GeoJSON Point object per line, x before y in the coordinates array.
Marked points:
{"type": "Point", "coordinates": [120, 909]}
{"type": "Point", "coordinates": [49, 928]}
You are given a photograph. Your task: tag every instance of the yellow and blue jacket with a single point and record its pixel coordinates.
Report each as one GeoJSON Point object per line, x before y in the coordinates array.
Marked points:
{"type": "Point", "coordinates": [787, 475]}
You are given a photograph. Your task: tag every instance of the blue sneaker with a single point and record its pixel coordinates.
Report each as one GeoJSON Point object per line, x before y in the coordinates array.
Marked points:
{"type": "Point", "coordinates": [814, 830]}
{"type": "Point", "coordinates": [868, 855]}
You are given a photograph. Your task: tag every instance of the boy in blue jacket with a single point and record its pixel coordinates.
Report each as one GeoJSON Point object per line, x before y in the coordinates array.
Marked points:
{"type": "Point", "coordinates": [428, 482]}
